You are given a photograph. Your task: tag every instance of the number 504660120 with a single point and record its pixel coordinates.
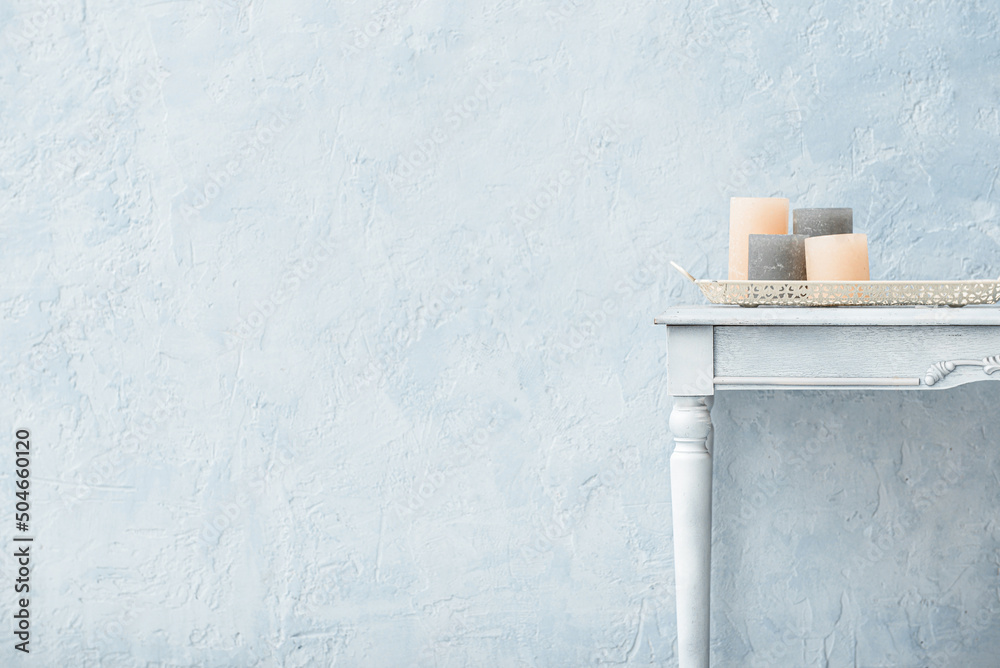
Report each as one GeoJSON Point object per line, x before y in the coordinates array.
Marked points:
{"type": "Point", "coordinates": [23, 473]}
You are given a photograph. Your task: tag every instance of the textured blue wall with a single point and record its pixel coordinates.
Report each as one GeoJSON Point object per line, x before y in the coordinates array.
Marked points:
{"type": "Point", "coordinates": [333, 326]}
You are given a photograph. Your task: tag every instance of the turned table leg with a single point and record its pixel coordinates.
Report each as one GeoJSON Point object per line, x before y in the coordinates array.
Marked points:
{"type": "Point", "coordinates": [691, 498]}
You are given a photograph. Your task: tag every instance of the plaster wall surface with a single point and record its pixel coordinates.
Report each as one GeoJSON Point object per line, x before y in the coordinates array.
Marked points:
{"type": "Point", "coordinates": [332, 325]}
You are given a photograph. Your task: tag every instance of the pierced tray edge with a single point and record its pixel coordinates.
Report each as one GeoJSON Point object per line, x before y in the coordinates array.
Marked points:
{"type": "Point", "coordinates": [790, 293]}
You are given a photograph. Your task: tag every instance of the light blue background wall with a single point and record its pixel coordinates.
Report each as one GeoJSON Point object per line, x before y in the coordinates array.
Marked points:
{"type": "Point", "coordinates": [332, 322]}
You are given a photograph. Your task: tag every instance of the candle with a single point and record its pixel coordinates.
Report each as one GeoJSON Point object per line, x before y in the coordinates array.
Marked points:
{"type": "Point", "coordinates": [818, 222]}
{"type": "Point", "coordinates": [777, 257]}
{"type": "Point", "coordinates": [837, 257]}
{"type": "Point", "coordinates": [752, 215]}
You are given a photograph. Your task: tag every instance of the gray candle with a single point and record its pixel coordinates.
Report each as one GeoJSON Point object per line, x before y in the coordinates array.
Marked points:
{"type": "Point", "coordinates": [821, 222]}
{"type": "Point", "coordinates": [777, 257]}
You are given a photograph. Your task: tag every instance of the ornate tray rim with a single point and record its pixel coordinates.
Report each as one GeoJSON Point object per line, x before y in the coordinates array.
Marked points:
{"type": "Point", "coordinates": [961, 292]}
{"type": "Point", "coordinates": [851, 293]}
{"type": "Point", "coordinates": [802, 283]}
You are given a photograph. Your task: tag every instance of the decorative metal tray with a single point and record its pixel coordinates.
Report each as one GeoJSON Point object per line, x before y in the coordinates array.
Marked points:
{"type": "Point", "coordinates": [859, 293]}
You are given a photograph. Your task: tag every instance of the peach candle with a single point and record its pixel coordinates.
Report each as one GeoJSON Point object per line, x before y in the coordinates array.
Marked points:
{"type": "Point", "coordinates": [752, 215]}
{"type": "Point", "coordinates": [837, 257]}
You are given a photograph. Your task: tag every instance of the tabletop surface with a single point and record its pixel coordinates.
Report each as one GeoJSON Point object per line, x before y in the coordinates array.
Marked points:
{"type": "Point", "coordinates": [830, 315]}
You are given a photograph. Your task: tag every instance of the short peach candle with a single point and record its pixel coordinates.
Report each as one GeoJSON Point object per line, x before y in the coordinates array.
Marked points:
{"type": "Point", "coordinates": [752, 215]}
{"type": "Point", "coordinates": [837, 257]}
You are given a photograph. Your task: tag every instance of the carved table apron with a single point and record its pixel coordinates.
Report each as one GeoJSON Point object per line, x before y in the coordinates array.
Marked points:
{"type": "Point", "coordinates": [713, 348]}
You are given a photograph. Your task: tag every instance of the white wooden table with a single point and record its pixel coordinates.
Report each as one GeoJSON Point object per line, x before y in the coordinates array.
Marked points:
{"type": "Point", "coordinates": [713, 348]}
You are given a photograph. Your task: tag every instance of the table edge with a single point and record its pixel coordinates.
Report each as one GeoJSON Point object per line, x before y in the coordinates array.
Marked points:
{"type": "Point", "coordinates": [843, 316]}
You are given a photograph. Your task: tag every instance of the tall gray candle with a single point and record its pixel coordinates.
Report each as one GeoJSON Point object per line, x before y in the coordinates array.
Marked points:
{"type": "Point", "coordinates": [821, 222]}
{"type": "Point", "coordinates": [777, 257]}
